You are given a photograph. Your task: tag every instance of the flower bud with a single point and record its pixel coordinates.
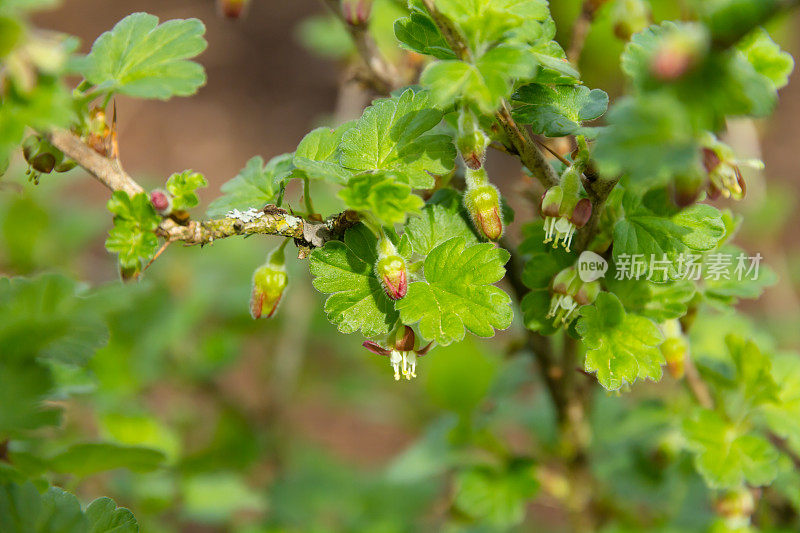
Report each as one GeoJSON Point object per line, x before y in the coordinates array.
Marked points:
{"type": "Point", "coordinates": [471, 141]}
{"type": "Point", "coordinates": [588, 293]}
{"type": "Point", "coordinates": [269, 282]}
{"type": "Point", "coordinates": [232, 9]}
{"type": "Point", "coordinates": [675, 351]}
{"type": "Point", "coordinates": [356, 12]}
{"type": "Point", "coordinates": [736, 507]}
{"type": "Point", "coordinates": [162, 202]}
{"type": "Point", "coordinates": [483, 205]}
{"type": "Point", "coordinates": [678, 53]}
{"type": "Point", "coordinates": [391, 271]}
{"type": "Point", "coordinates": [629, 17]}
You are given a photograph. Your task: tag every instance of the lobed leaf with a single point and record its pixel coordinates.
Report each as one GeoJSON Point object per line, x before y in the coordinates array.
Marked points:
{"type": "Point", "coordinates": [140, 57]}
{"type": "Point", "coordinates": [620, 347]}
{"type": "Point", "coordinates": [457, 292]}
{"type": "Point", "coordinates": [256, 185]}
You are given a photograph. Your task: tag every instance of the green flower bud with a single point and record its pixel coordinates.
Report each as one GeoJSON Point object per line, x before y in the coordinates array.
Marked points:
{"type": "Point", "coordinates": [391, 270]}
{"type": "Point", "coordinates": [269, 282]}
{"type": "Point", "coordinates": [675, 348]}
{"type": "Point", "coordinates": [483, 205]}
{"type": "Point", "coordinates": [471, 141]}
{"type": "Point", "coordinates": [629, 17]}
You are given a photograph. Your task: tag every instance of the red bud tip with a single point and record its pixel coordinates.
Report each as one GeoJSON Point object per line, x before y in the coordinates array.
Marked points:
{"type": "Point", "coordinates": [710, 160]}
{"type": "Point", "coordinates": [269, 281]}
{"type": "Point", "coordinates": [232, 9]}
{"type": "Point", "coordinates": [473, 161]}
{"type": "Point", "coordinates": [356, 12]}
{"type": "Point", "coordinates": [670, 63]}
{"type": "Point", "coordinates": [161, 201]}
{"type": "Point", "coordinates": [582, 213]}
{"type": "Point", "coordinates": [396, 284]}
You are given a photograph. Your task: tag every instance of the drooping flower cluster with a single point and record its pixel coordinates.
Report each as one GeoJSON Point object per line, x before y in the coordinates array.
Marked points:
{"type": "Point", "coordinates": [564, 212]}
{"type": "Point", "coordinates": [401, 351]}
{"type": "Point", "coordinates": [569, 292]}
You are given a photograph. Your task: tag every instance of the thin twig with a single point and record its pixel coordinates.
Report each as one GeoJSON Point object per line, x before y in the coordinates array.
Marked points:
{"type": "Point", "coordinates": [580, 30]}
{"type": "Point", "coordinates": [273, 221]}
{"type": "Point", "coordinates": [382, 75]}
{"type": "Point", "coordinates": [160, 251]}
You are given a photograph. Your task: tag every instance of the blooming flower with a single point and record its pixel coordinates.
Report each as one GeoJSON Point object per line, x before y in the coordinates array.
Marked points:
{"type": "Point", "coordinates": [569, 293]}
{"type": "Point", "coordinates": [564, 212]}
{"type": "Point", "coordinates": [402, 354]}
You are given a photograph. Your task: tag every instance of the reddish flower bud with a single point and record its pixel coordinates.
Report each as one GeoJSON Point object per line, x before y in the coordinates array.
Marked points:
{"type": "Point", "coordinates": [390, 270]}
{"type": "Point", "coordinates": [269, 282]}
{"type": "Point", "coordinates": [356, 12]}
{"type": "Point", "coordinates": [483, 205]}
{"type": "Point", "coordinates": [736, 507]}
{"type": "Point", "coordinates": [551, 202]}
{"type": "Point", "coordinates": [670, 63]}
{"type": "Point", "coordinates": [232, 9]}
{"type": "Point", "coordinates": [162, 202]}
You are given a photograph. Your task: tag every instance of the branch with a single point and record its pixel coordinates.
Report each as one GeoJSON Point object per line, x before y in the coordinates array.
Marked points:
{"type": "Point", "coordinates": [275, 221]}
{"type": "Point", "coordinates": [382, 75]}
{"type": "Point", "coordinates": [521, 141]}
{"type": "Point", "coordinates": [580, 30]}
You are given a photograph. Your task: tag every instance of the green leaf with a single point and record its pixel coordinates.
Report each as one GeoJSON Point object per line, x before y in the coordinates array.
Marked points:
{"type": "Point", "coordinates": [256, 185]}
{"type": "Point", "coordinates": [649, 139]}
{"type": "Point", "coordinates": [182, 187]}
{"type": "Point", "coordinates": [642, 232]}
{"type": "Point", "coordinates": [105, 517]}
{"type": "Point", "coordinates": [417, 32]}
{"type": "Point", "coordinates": [47, 317]}
{"type": "Point", "coordinates": [141, 58]}
{"type": "Point", "coordinates": [391, 135]}
{"type": "Point", "coordinates": [90, 458]}
{"type": "Point", "coordinates": [346, 271]}
{"type": "Point", "coordinates": [24, 386]}
{"type": "Point", "coordinates": [736, 279]}
{"type": "Point", "coordinates": [24, 510]}
{"type": "Point", "coordinates": [783, 416]}
{"type": "Point", "coordinates": [484, 83]}
{"type": "Point", "coordinates": [317, 154]}
{"type": "Point", "coordinates": [496, 498]}
{"type": "Point", "coordinates": [46, 106]}
{"type": "Point", "coordinates": [656, 301]}
{"type": "Point", "coordinates": [384, 194]}
{"type": "Point", "coordinates": [484, 22]}
{"type": "Point", "coordinates": [457, 293]}
{"type": "Point", "coordinates": [437, 224]}
{"type": "Point", "coordinates": [725, 456]}
{"type": "Point", "coordinates": [556, 111]}
{"type": "Point", "coordinates": [7, 6]}
{"type": "Point", "coordinates": [767, 57]}
{"type": "Point", "coordinates": [753, 371]}
{"type": "Point", "coordinates": [620, 346]}
{"type": "Point", "coordinates": [132, 238]}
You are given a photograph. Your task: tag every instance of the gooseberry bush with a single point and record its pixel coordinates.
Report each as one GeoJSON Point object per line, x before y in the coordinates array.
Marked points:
{"type": "Point", "coordinates": [630, 249]}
